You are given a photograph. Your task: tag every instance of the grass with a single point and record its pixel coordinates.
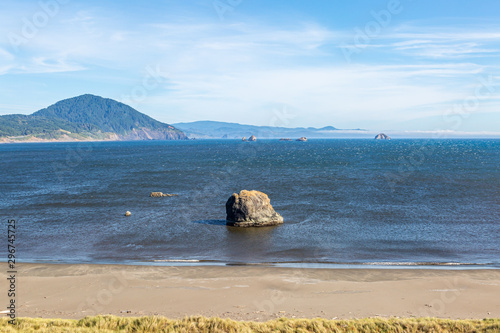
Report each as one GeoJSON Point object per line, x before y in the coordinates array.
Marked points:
{"type": "Point", "coordinates": [202, 324]}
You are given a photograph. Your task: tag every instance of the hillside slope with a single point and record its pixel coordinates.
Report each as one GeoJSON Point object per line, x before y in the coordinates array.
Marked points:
{"type": "Point", "coordinates": [86, 117]}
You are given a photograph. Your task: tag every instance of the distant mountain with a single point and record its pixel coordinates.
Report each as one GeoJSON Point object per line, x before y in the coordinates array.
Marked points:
{"type": "Point", "coordinates": [86, 117]}
{"type": "Point", "coordinates": [215, 129]}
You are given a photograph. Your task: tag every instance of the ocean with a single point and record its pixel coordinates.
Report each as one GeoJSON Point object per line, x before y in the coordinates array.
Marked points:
{"type": "Point", "coordinates": [346, 203]}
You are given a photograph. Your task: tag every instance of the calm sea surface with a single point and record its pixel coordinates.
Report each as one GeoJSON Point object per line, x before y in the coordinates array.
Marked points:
{"type": "Point", "coordinates": [345, 202]}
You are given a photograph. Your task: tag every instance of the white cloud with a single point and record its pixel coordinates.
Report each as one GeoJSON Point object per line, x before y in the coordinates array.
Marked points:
{"type": "Point", "coordinates": [324, 95]}
{"type": "Point", "coordinates": [235, 72]}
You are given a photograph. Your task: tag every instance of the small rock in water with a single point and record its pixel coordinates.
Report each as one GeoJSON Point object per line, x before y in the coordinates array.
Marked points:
{"type": "Point", "coordinates": [382, 136]}
{"type": "Point", "coordinates": [161, 194]}
{"type": "Point", "coordinates": [127, 213]}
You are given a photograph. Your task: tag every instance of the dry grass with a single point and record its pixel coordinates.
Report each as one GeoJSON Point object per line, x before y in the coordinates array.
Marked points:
{"type": "Point", "coordinates": [202, 324]}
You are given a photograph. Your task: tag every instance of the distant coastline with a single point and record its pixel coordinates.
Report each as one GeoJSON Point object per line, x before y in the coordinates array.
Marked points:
{"type": "Point", "coordinates": [405, 136]}
{"type": "Point", "coordinates": [90, 118]}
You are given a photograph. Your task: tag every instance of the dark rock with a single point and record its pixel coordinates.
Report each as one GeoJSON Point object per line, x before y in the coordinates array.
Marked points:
{"type": "Point", "coordinates": [251, 209]}
{"type": "Point", "coordinates": [382, 136]}
{"type": "Point", "coordinates": [285, 139]}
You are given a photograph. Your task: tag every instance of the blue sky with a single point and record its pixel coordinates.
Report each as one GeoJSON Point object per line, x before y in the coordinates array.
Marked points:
{"type": "Point", "coordinates": [380, 65]}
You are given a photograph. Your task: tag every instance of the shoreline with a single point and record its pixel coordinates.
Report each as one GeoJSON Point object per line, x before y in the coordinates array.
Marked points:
{"type": "Point", "coordinates": [278, 264]}
{"type": "Point", "coordinates": [257, 293]}
{"type": "Point", "coordinates": [458, 137]}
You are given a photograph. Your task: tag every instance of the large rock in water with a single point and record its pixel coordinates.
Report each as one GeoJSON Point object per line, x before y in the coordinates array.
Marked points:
{"type": "Point", "coordinates": [251, 209]}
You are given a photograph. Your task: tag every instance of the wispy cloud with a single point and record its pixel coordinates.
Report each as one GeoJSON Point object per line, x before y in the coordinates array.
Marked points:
{"type": "Point", "coordinates": [234, 71]}
{"type": "Point", "coordinates": [442, 42]}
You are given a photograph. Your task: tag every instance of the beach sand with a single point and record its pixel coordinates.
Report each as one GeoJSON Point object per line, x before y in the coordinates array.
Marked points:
{"type": "Point", "coordinates": [252, 292]}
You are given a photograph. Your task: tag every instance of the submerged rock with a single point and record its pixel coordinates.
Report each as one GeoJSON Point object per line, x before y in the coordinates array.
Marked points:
{"type": "Point", "coordinates": [382, 136]}
{"type": "Point", "coordinates": [285, 139]}
{"type": "Point", "coordinates": [161, 194]}
{"type": "Point", "coordinates": [251, 209]}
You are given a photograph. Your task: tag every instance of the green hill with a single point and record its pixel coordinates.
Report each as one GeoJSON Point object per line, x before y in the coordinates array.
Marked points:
{"type": "Point", "coordinates": [86, 117]}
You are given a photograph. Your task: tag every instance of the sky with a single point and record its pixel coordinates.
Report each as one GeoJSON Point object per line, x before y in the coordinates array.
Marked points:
{"type": "Point", "coordinates": [407, 65]}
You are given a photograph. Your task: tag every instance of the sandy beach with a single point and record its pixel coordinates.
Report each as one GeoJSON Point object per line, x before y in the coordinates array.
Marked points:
{"type": "Point", "coordinates": [253, 292]}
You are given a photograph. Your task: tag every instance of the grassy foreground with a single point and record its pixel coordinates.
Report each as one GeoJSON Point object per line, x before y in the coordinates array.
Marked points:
{"type": "Point", "coordinates": [202, 324]}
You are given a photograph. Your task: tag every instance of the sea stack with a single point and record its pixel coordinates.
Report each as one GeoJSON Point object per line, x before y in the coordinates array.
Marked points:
{"type": "Point", "coordinates": [252, 138]}
{"type": "Point", "coordinates": [382, 136]}
{"type": "Point", "coordinates": [303, 139]}
{"type": "Point", "coordinates": [251, 209]}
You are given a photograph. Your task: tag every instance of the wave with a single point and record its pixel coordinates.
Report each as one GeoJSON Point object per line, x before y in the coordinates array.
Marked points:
{"type": "Point", "coordinates": [326, 264]}
{"type": "Point", "coordinates": [382, 263]}
{"type": "Point", "coordinates": [176, 260]}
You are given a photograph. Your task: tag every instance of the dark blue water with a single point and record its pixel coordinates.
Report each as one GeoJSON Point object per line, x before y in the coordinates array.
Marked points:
{"type": "Point", "coordinates": [345, 202]}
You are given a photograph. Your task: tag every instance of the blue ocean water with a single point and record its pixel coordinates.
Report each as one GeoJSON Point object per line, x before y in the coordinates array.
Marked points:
{"type": "Point", "coordinates": [345, 202]}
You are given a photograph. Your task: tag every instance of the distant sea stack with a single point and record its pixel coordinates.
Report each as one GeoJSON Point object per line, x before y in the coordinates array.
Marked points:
{"type": "Point", "coordinates": [252, 138]}
{"type": "Point", "coordinates": [382, 136]}
{"type": "Point", "coordinates": [251, 209]}
{"type": "Point", "coordinates": [303, 139]}
{"type": "Point", "coordinates": [86, 118]}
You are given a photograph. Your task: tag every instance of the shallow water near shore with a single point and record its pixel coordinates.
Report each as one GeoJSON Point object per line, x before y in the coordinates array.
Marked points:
{"type": "Point", "coordinates": [412, 203]}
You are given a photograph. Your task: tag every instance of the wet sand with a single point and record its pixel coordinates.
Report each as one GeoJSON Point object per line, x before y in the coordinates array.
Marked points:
{"type": "Point", "coordinates": [252, 292]}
